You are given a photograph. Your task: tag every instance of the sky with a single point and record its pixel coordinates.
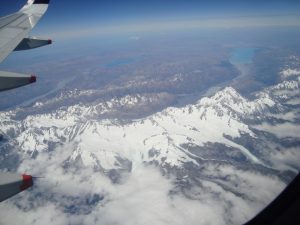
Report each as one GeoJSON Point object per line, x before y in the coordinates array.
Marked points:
{"type": "Point", "coordinates": [79, 15]}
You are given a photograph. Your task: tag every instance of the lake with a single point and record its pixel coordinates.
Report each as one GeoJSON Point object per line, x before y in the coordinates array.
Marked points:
{"type": "Point", "coordinates": [242, 55]}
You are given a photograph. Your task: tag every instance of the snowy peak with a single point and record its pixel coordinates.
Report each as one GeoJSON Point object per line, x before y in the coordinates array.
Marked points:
{"type": "Point", "coordinates": [230, 102]}
{"type": "Point", "coordinates": [227, 95]}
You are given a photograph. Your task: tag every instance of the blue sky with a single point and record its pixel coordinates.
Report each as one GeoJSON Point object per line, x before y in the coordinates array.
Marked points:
{"type": "Point", "coordinates": [109, 11]}
{"type": "Point", "coordinates": [68, 18]}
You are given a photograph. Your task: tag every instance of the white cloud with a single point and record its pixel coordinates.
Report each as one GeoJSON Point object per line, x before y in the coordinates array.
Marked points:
{"type": "Point", "coordinates": [142, 197]}
{"type": "Point", "coordinates": [283, 130]}
{"type": "Point", "coordinates": [286, 159]}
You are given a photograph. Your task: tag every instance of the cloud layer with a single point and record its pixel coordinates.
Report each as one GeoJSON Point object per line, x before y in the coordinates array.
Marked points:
{"type": "Point", "coordinates": [144, 196]}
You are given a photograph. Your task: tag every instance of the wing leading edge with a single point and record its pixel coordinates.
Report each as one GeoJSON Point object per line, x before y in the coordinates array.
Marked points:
{"type": "Point", "coordinates": [13, 36]}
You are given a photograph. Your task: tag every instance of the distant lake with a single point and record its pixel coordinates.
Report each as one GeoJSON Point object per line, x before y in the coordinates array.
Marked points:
{"type": "Point", "coordinates": [242, 55]}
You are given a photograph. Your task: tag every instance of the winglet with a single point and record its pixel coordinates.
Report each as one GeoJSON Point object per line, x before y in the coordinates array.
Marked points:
{"type": "Point", "coordinates": [27, 182]}
{"type": "Point", "coordinates": [31, 2]}
{"type": "Point", "coordinates": [41, 1]}
{"type": "Point", "coordinates": [32, 79]}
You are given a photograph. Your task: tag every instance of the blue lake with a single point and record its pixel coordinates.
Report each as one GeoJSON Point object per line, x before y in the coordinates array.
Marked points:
{"type": "Point", "coordinates": [242, 55]}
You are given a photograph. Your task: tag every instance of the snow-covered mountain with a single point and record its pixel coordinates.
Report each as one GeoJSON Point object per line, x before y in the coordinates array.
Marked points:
{"type": "Point", "coordinates": [223, 139]}
{"type": "Point", "coordinates": [100, 143]}
{"type": "Point", "coordinates": [167, 137]}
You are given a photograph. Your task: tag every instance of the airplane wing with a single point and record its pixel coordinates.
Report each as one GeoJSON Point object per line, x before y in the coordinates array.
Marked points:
{"type": "Point", "coordinates": [13, 37]}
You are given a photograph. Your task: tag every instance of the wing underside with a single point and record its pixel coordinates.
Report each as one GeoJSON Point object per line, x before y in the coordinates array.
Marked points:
{"type": "Point", "coordinates": [9, 80]}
